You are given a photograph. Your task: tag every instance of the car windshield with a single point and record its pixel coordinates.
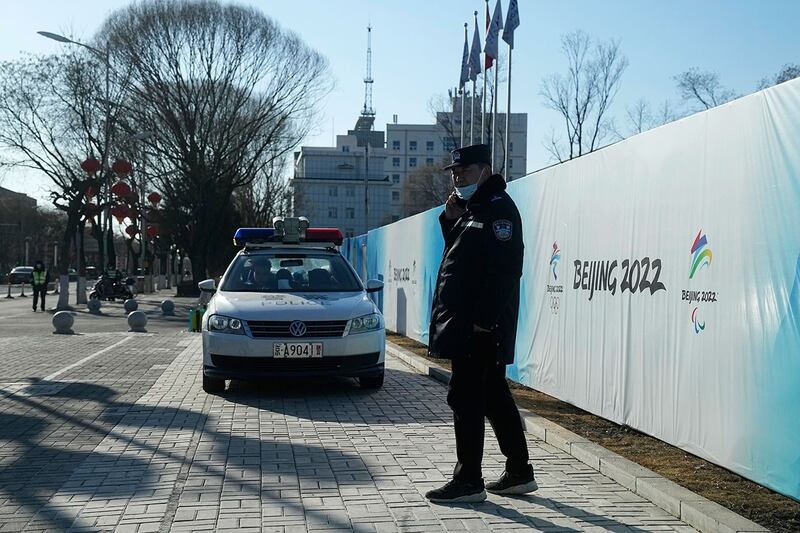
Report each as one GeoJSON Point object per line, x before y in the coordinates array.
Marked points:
{"type": "Point", "coordinates": [290, 272]}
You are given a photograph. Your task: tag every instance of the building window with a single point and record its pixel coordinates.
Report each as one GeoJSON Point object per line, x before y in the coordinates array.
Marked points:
{"type": "Point", "coordinates": [395, 218]}
{"type": "Point", "coordinates": [350, 191]}
{"type": "Point", "coordinates": [510, 163]}
{"type": "Point", "coordinates": [332, 212]}
{"type": "Point", "coordinates": [349, 212]}
{"type": "Point", "coordinates": [429, 146]}
{"type": "Point", "coordinates": [448, 144]}
{"type": "Point", "coordinates": [333, 191]}
{"type": "Point", "coordinates": [412, 161]}
{"type": "Point", "coordinates": [395, 196]}
{"type": "Point", "coordinates": [510, 147]}
{"type": "Point", "coordinates": [395, 145]}
{"type": "Point", "coordinates": [396, 162]}
{"type": "Point", "coordinates": [429, 161]}
{"type": "Point", "coordinates": [349, 232]}
{"type": "Point", "coordinates": [395, 178]}
{"type": "Point", "coordinates": [412, 146]}
{"type": "Point", "coordinates": [345, 149]}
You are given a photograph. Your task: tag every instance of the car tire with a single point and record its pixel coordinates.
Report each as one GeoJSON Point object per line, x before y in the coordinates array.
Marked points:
{"type": "Point", "coordinates": [213, 385]}
{"type": "Point", "coordinates": [371, 382]}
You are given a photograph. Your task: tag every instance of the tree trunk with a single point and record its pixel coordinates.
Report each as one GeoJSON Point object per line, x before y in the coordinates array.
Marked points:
{"type": "Point", "coordinates": [80, 291]}
{"type": "Point", "coordinates": [63, 263]}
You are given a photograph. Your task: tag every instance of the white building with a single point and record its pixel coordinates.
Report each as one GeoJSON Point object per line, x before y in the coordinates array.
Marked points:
{"type": "Point", "coordinates": [411, 146]}
{"type": "Point", "coordinates": [328, 185]}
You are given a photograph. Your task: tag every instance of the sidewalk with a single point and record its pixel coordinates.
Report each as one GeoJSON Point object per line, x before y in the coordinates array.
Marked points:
{"type": "Point", "coordinates": [321, 456]}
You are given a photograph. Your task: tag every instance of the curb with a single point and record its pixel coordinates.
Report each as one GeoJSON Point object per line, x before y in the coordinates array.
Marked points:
{"type": "Point", "coordinates": [699, 512]}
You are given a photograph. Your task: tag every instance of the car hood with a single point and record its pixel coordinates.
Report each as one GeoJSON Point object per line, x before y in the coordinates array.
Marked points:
{"type": "Point", "coordinates": [300, 306]}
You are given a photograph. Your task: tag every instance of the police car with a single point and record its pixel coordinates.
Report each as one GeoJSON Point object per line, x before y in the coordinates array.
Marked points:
{"type": "Point", "coordinates": [290, 305]}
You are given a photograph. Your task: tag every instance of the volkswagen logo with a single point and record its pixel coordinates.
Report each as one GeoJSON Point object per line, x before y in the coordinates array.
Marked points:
{"type": "Point", "coordinates": [297, 328]}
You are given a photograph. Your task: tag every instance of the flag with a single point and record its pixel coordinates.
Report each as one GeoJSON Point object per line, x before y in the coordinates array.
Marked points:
{"type": "Point", "coordinates": [492, 35]}
{"type": "Point", "coordinates": [512, 22]}
{"type": "Point", "coordinates": [487, 61]}
{"type": "Point", "coordinates": [475, 53]}
{"type": "Point", "coordinates": [464, 62]}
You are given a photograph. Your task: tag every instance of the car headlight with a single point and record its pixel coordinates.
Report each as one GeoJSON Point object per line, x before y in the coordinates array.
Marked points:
{"type": "Point", "coordinates": [364, 324]}
{"type": "Point", "coordinates": [225, 324]}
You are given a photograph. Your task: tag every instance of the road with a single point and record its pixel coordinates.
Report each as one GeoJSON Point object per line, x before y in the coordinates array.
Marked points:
{"type": "Point", "coordinates": [108, 430]}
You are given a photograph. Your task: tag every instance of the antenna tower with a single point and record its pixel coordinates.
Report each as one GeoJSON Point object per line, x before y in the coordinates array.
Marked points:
{"type": "Point", "coordinates": [368, 110]}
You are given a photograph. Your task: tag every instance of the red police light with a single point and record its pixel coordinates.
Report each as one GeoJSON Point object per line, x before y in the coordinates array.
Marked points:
{"type": "Point", "coordinates": [324, 235]}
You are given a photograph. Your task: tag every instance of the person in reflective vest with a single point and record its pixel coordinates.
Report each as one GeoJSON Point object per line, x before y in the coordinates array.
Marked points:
{"type": "Point", "coordinates": [39, 281]}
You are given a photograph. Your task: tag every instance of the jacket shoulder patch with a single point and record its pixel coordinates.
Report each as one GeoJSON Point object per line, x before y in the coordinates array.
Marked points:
{"type": "Point", "coordinates": [503, 229]}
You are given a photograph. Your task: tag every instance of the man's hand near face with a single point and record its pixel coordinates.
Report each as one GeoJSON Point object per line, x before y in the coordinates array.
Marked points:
{"type": "Point", "coordinates": [453, 209]}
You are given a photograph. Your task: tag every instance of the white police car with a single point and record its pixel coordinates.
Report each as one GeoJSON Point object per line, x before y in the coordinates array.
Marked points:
{"type": "Point", "coordinates": [290, 305]}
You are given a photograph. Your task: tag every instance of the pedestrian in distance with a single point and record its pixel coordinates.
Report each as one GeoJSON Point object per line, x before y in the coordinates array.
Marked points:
{"type": "Point", "coordinates": [39, 281]}
{"type": "Point", "coordinates": [474, 324]}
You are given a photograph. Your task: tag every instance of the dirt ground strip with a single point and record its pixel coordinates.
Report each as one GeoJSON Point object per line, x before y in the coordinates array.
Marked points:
{"type": "Point", "coordinates": [749, 499]}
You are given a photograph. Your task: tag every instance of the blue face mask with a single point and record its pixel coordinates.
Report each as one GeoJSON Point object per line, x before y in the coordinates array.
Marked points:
{"type": "Point", "coordinates": [466, 192]}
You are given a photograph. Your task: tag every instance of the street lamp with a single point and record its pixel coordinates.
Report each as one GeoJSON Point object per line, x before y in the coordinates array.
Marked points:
{"type": "Point", "coordinates": [104, 55]}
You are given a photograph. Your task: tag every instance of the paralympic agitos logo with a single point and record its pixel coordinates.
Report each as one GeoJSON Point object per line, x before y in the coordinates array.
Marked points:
{"type": "Point", "coordinates": [701, 259]}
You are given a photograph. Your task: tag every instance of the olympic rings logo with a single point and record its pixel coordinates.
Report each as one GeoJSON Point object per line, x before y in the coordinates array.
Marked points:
{"type": "Point", "coordinates": [555, 304]}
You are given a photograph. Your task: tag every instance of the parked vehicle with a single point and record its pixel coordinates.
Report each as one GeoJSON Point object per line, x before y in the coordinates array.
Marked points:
{"type": "Point", "coordinates": [108, 288]}
{"type": "Point", "coordinates": [73, 274]}
{"type": "Point", "coordinates": [91, 272]}
{"type": "Point", "coordinates": [290, 305]}
{"type": "Point", "coordinates": [20, 274]}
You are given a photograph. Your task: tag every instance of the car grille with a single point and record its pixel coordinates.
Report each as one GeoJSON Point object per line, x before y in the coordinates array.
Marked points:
{"type": "Point", "coordinates": [273, 329]}
{"type": "Point", "coordinates": [271, 364]}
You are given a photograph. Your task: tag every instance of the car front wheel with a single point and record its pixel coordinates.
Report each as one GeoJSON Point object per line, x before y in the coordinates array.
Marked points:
{"type": "Point", "coordinates": [371, 382]}
{"type": "Point", "coordinates": [212, 385]}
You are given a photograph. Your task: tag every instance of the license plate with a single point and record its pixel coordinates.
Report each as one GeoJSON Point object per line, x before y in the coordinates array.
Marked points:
{"type": "Point", "coordinates": [297, 349]}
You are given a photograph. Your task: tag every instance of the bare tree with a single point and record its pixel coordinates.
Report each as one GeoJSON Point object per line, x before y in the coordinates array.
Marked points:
{"type": "Point", "coordinates": [787, 72]}
{"type": "Point", "coordinates": [427, 187]}
{"type": "Point", "coordinates": [641, 117]}
{"type": "Point", "coordinates": [584, 94]}
{"type": "Point", "coordinates": [227, 91]}
{"type": "Point", "coordinates": [51, 118]}
{"type": "Point", "coordinates": [702, 89]}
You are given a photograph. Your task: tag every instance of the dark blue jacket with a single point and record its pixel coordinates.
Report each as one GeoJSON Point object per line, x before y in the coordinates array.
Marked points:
{"type": "Point", "coordinates": [478, 280]}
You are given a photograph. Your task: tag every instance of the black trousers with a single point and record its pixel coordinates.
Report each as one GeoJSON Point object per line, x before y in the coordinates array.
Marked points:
{"type": "Point", "coordinates": [478, 390]}
{"type": "Point", "coordinates": [39, 290]}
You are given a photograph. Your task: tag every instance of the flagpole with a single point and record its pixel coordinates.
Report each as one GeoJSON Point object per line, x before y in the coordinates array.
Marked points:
{"type": "Point", "coordinates": [494, 114]}
{"type": "Point", "coordinates": [508, 116]}
{"type": "Point", "coordinates": [462, 117]}
{"type": "Point", "coordinates": [472, 115]}
{"type": "Point", "coordinates": [483, 96]}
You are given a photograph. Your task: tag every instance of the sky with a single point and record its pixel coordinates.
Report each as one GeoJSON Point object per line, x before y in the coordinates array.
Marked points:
{"type": "Point", "coordinates": [417, 46]}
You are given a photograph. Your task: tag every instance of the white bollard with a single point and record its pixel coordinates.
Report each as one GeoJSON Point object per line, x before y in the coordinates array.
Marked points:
{"type": "Point", "coordinates": [168, 307]}
{"type": "Point", "coordinates": [94, 306]}
{"type": "Point", "coordinates": [137, 320]}
{"type": "Point", "coordinates": [62, 322]}
{"type": "Point", "coordinates": [131, 305]}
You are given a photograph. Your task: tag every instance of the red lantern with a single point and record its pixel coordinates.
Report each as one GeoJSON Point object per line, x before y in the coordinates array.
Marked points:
{"type": "Point", "coordinates": [121, 189]}
{"type": "Point", "coordinates": [91, 191]}
{"type": "Point", "coordinates": [121, 167]}
{"type": "Point", "coordinates": [91, 210]}
{"type": "Point", "coordinates": [154, 198]}
{"type": "Point", "coordinates": [131, 230]}
{"type": "Point", "coordinates": [91, 166]}
{"type": "Point", "coordinates": [152, 231]}
{"type": "Point", "coordinates": [120, 212]}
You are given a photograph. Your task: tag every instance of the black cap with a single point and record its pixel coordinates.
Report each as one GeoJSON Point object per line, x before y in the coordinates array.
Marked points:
{"type": "Point", "coordinates": [468, 155]}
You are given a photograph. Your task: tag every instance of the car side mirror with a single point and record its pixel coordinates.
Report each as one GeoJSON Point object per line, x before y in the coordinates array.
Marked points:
{"type": "Point", "coordinates": [208, 285]}
{"type": "Point", "coordinates": [374, 285]}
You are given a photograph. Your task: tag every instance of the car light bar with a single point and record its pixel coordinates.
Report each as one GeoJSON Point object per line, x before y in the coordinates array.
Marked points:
{"type": "Point", "coordinates": [324, 235]}
{"type": "Point", "coordinates": [245, 236]}
{"type": "Point", "coordinates": [287, 232]}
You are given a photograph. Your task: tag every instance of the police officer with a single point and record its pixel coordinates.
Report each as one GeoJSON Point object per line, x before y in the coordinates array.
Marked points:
{"type": "Point", "coordinates": [474, 323]}
{"type": "Point", "coordinates": [39, 283]}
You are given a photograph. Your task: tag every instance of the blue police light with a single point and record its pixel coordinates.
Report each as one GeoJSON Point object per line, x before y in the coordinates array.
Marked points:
{"type": "Point", "coordinates": [245, 236]}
